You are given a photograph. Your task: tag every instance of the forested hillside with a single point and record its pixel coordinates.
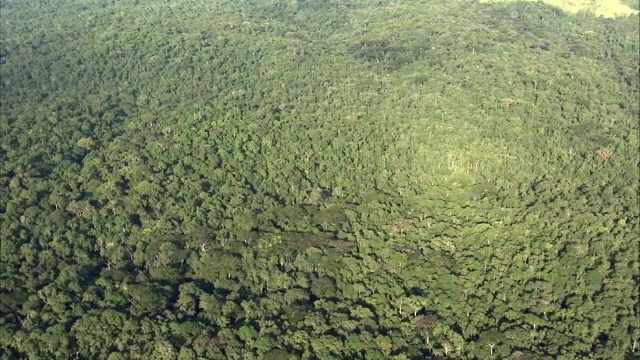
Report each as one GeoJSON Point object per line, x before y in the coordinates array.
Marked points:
{"type": "Point", "coordinates": [317, 179]}
{"type": "Point", "coordinates": [606, 8]}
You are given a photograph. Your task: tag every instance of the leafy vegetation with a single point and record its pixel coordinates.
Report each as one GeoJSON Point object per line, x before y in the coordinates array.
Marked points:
{"type": "Point", "coordinates": [606, 8]}
{"type": "Point", "coordinates": [317, 180]}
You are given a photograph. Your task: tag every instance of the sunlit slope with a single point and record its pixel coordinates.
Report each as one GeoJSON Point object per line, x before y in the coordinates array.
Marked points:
{"type": "Point", "coordinates": [493, 99]}
{"type": "Point", "coordinates": [606, 8]}
{"type": "Point", "coordinates": [412, 95]}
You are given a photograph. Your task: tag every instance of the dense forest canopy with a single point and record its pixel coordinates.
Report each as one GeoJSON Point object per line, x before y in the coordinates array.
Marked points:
{"type": "Point", "coordinates": [317, 179]}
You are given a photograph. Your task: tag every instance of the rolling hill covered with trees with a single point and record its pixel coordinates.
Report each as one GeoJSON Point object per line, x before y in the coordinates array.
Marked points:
{"type": "Point", "coordinates": [317, 179]}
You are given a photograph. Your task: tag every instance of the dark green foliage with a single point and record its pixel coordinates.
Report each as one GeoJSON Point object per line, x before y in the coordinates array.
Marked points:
{"type": "Point", "coordinates": [317, 180]}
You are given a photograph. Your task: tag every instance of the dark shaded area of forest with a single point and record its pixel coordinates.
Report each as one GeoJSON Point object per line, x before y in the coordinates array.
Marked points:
{"type": "Point", "coordinates": [317, 180]}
